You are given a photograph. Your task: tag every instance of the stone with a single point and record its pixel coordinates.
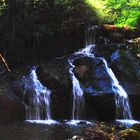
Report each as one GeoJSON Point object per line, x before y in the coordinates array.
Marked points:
{"type": "Point", "coordinates": [101, 107]}
{"type": "Point", "coordinates": [55, 76]}
{"type": "Point", "coordinates": [128, 134]}
{"type": "Point", "coordinates": [84, 68]}
{"type": "Point", "coordinates": [11, 110]}
{"type": "Point", "coordinates": [96, 133]}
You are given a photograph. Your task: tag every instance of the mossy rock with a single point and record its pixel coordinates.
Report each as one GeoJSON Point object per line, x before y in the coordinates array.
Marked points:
{"type": "Point", "coordinates": [128, 134]}
{"type": "Point", "coordinates": [136, 127]}
{"type": "Point", "coordinates": [97, 135]}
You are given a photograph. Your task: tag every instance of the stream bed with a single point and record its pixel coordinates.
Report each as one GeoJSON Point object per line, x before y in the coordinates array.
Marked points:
{"type": "Point", "coordinates": [64, 130]}
{"type": "Point", "coordinates": [35, 131]}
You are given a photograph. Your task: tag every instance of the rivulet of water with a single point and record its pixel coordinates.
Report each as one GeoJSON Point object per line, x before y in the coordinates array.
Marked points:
{"type": "Point", "coordinates": [123, 110]}
{"type": "Point", "coordinates": [39, 100]}
{"type": "Point", "coordinates": [78, 96]}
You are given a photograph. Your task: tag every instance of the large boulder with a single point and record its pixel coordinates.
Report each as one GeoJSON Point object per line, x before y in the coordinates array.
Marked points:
{"type": "Point", "coordinates": [11, 108]}
{"type": "Point", "coordinates": [126, 66]}
{"type": "Point", "coordinates": [84, 68]}
{"type": "Point", "coordinates": [128, 134]}
{"type": "Point", "coordinates": [94, 80]}
{"type": "Point", "coordinates": [55, 76]}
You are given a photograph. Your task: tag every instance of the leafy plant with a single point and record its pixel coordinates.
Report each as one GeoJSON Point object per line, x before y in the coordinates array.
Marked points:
{"type": "Point", "coordinates": [122, 12]}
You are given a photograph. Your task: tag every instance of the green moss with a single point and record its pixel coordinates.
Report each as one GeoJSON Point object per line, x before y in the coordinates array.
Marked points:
{"type": "Point", "coordinates": [129, 134]}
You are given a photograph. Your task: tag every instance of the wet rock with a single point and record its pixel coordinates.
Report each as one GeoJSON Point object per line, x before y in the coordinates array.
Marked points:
{"type": "Point", "coordinates": [134, 46]}
{"type": "Point", "coordinates": [126, 68]}
{"type": "Point", "coordinates": [135, 105]}
{"type": "Point", "coordinates": [82, 123]}
{"type": "Point", "coordinates": [96, 133]}
{"type": "Point", "coordinates": [55, 76]}
{"type": "Point", "coordinates": [11, 110]}
{"type": "Point", "coordinates": [136, 127]}
{"type": "Point", "coordinates": [123, 69]}
{"type": "Point", "coordinates": [128, 134]}
{"type": "Point", "coordinates": [11, 107]}
{"type": "Point", "coordinates": [94, 80]}
{"type": "Point", "coordinates": [92, 75]}
{"type": "Point", "coordinates": [116, 37]}
{"type": "Point", "coordinates": [119, 34]}
{"type": "Point", "coordinates": [77, 138]}
{"type": "Point", "coordinates": [101, 107]}
{"type": "Point", "coordinates": [84, 68]}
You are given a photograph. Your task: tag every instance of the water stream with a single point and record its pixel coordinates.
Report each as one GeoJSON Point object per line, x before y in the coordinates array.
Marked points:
{"type": "Point", "coordinates": [39, 104]}
{"type": "Point", "coordinates": [121, 98]}
{"type": "Point", "coordinates": [78, 97]}
{"type": "Point", "coordinates": [39, 107]}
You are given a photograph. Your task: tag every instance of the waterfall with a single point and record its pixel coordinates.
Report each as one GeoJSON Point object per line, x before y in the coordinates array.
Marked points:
{"type": "Point", "coordinates": [39, 104]}
{"type": "Point", "coordinates": [91, 35]}
{"type": "Point", "coordinates": [78, 96]}
{"type": "Point", "coordinates": [121, 98]}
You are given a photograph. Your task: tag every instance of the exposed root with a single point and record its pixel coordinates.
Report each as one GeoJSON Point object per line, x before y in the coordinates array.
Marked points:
{"type": "Point", "coordinates": [4, 61]}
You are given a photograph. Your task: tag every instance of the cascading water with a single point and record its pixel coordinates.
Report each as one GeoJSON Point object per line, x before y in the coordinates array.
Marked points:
{"type": "Point", "coordinates": [78, 95]}
{"type": "Point", "coordinates": [78, 98]}
{"type": "Point", "coordinates": [121, 98]}
{"type": "Point", "coordinates": [90, 35]}
{"type": "Point", "coordinates": [39, 104]}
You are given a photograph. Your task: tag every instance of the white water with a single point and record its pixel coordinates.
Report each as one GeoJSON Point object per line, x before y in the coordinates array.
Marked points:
{"type": "Point", "coordinates": [121, 98]}
{"type": "Point", "coordinates": [39, 107]}
{"type": "Point", "coordinates": [76, 122]}
{"type": "Point", "coordinates": [78, 97]}
{"type": "Point", "coordinates": [48, 122]}
{"type": "Point", "coordinates": [128, 123]}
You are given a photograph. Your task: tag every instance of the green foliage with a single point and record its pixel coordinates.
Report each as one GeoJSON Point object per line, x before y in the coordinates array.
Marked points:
{"type": "Point", "coordinates": [129, 17]}
{"type": "Point", "coordinates": [121, 12]}
{"type": "Point", "coordinates": [47, 17]}
{"type": "Point", "coordinates": [103, 11]}
{"type": "Point", "coordinates": [2, 6]}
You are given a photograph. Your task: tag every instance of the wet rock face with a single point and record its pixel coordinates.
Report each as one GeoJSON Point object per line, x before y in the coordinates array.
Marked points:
{"type": "Point", "coordinates": [94, 80]}
{"type": "Point", "coordinates": [55, 76]}
{"type": "Point", "coordinates": [84, 68]}
{"type": "Point", "coordinates": [11, 108]}
{"type": "Point", "coordinates": [96, 133]}
{"type": "Point", "coordinates": [92, 75]}
{"type": "Point", "coordinates": [118, 34]}
{"type": "Point", "coordinates": [135, 105]}
{"type": "Point", "coordinates": [101, 107]}
{"type": "Point", "coordinates": [128, 71]}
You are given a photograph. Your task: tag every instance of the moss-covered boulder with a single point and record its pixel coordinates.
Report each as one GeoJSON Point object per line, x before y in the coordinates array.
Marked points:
{"type": "Point", "coordinates": [128, 134]}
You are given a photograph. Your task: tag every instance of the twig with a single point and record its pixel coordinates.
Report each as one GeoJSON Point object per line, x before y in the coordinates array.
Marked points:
{"type": "Point", "coordinates": [5, 63]}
